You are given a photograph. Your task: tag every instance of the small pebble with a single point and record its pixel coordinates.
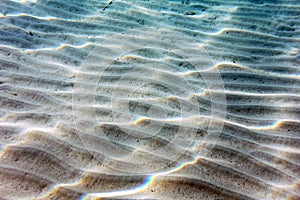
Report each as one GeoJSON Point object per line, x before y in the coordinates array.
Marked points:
{"type": "Point", "coordinates": [190, 13]}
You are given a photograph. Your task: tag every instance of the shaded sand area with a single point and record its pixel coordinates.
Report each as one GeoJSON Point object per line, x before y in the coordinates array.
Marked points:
{"type": "Point", "coordinates": [149, 99]}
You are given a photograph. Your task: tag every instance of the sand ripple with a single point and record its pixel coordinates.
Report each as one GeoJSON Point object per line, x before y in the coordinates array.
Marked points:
{"type": "Point", "coordinates": [149, 99]}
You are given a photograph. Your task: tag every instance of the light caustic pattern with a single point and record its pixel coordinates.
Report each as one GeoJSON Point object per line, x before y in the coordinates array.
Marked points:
{"type": "Point", "coordinates": [145, 100]}
{"type": "Point", "coordinates": [149, 99]}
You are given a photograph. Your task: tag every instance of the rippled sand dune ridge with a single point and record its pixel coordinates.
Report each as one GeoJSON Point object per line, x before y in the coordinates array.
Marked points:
{"type": "Point", "coordinates": [156, 99]}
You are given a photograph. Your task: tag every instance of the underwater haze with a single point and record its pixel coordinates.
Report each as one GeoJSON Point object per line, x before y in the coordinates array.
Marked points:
{"type": "Point", "coordinates": [149, 99]}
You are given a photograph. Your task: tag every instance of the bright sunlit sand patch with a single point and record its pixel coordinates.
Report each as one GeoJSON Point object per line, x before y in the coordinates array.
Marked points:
{"type": "Point", "coordinates": [28, 15]}
{"type": "Point", "coordinates": [142, 187]}
{"type": "Point", "coordinates": [147, 183]}
{"type": "Point", "coordinates": [25, 1]}
{"type": "Point", "coordinates": [60, 47]}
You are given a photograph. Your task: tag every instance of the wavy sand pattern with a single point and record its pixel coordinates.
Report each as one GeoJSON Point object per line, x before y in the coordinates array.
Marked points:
{"type": "Point", "coordinates": [151, 99]}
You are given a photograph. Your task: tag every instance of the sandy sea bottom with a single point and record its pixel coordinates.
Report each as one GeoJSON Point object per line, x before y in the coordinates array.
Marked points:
{"type": "Point", "coordinates": [151, 99]}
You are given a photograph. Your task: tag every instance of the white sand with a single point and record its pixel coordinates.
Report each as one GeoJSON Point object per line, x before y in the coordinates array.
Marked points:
{"type": "Point", "coordinates": [149, 99]}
